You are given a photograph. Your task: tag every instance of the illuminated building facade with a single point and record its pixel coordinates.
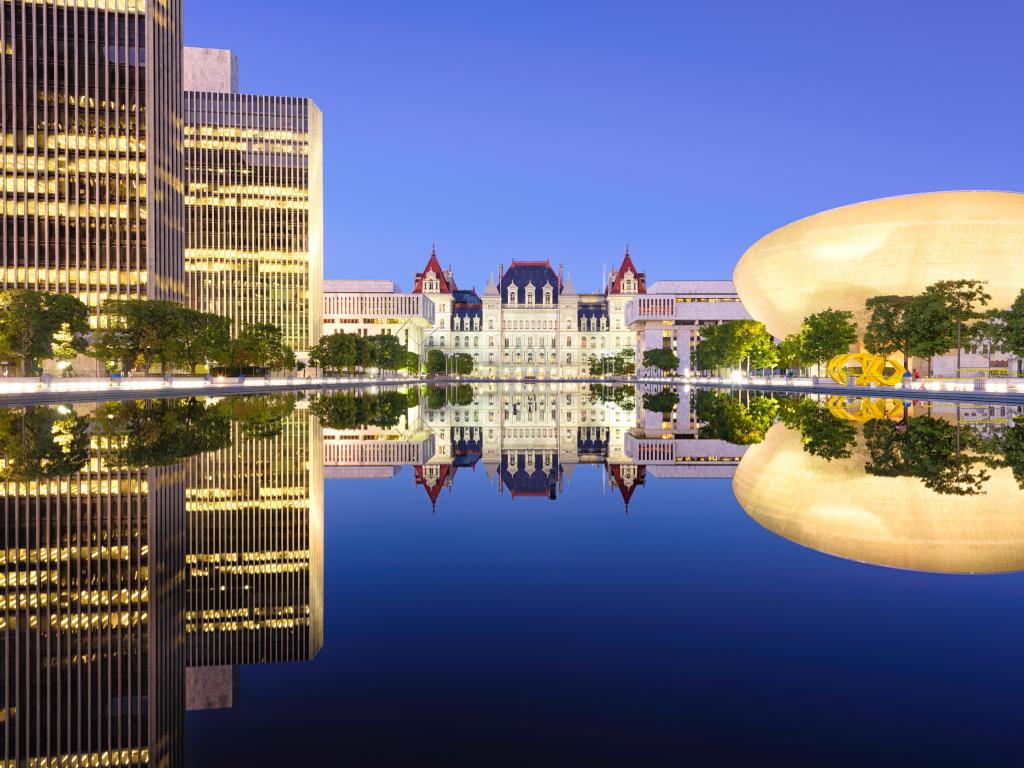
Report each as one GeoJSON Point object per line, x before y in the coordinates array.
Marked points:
{"type": "Point", "coordinates": [254, 203]}
{"type": "Point", "coordinates": [893, 246]}
{"type": "Point", "coordinates": [92, 610]}
{"type": "Point", "coordinates": [672, 312]}
{"type": "Point", "coordinates": [90, 120]}
{"type": "Point", "coordinates": [254, 560]}
{"type": "Point", "coordinates": [530, 323]}
{"type": "Point", "coordinates": [377, 308]}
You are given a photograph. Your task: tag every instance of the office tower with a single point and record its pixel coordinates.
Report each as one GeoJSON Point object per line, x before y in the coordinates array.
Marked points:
{"type": "Point", "coordinates": [254, 202]}
{"type": "Point", "coordinates": [92, 616]}
{"type": "Point", "coordinates": [90, 120]}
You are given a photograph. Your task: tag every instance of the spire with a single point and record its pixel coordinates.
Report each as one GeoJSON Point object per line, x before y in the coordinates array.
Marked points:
{"type": "Point", "coordinates": [433, 249]}
{"type": "Point", "coordinates": [627, 249]}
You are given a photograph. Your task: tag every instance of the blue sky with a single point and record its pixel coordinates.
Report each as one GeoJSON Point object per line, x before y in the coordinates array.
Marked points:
{"type": "Point", "coordinates": [562, 130]}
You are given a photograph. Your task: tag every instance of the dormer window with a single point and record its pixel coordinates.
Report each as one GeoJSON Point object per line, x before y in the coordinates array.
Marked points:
{"type": "Point", "coordinates": [531, 294]}
{"type": "Point", "coordinates": [547, 295]}
{"type": "Point", "coordinates": [513, 294]}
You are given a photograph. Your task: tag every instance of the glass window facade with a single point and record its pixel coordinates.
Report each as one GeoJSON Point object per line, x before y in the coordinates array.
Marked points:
{"type": "Point", "coordinates": [90, 123]}
{"type": "Point", "coordinates": [254, 198]}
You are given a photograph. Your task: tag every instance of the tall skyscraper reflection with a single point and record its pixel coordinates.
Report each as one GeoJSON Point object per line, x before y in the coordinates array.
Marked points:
{"type": "Point", "coordinates": [130, 592]}
{"type": "Point", "coordinates": [93, 608]}
{"type": "Point", "coordinates": [255, 552]}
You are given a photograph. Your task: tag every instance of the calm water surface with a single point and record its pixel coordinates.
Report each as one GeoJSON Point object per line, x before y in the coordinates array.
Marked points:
{"type": "Point", "coordinates": [532, 575]}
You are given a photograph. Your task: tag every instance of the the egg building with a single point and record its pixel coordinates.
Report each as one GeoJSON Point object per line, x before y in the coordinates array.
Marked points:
{"type": "Point", "coordinates": [894, 245]}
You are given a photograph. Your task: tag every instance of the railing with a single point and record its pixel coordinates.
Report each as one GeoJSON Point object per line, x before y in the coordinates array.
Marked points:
{"type": "Point", "coordinates": [15, 386]}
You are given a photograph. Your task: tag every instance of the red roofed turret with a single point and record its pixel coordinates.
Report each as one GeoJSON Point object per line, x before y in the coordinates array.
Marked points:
{"type": "Point", "coordinates": [445, 281]}
{"type": "Point", "coordinates": [640, 278]}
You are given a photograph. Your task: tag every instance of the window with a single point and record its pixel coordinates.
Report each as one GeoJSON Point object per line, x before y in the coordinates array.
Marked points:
{"type": "Point", "coordinates": [512, 294]}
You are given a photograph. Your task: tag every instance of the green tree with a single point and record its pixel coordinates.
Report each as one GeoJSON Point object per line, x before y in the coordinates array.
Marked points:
{"type": "Point", "coordinates": [139, 333]}
{"type": "Point", "coordinates": [962, 300]}
{"type": "Point", "coordinates": [791, 352]}
{"type": "Point", "coordinates": [202, 338]}
{"type": "Point", "coordinates": [412, 363]}
{"type": "Point", "coordinates": [826, 334]}
{"type": "Point", "coordinates": [436, 361]}
{"type": "Point", "coordinates": [387, 351]}
{"type": "Point", "coordinates": [29, 320]}
{"type": "Point", "coordinates": [462, 363]}
{"type": "Point", "coordinates": [1012, 336]}
{"type": "Point", "coordinates": [889, 329]}
{"type": "Point", "coordinates": [63, 348]}
{"type": "Point", "coordinates": [662, 359]}
{"type": "Point", "coordinates": [261, 345]}
{"type": "Point", "coordinates": [335, 352]}
{"type": "Point", "coordinates": [930, 326]}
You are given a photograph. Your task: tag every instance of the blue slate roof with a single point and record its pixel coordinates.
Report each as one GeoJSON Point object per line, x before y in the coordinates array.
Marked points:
{"type": "Point", "coordinates": [522, 273]}
{"type": "Point", "coordinates": [515, 475]}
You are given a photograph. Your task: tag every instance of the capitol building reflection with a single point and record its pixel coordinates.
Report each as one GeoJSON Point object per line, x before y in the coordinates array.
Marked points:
{"type": "Point", "coordinates": [530, 438]}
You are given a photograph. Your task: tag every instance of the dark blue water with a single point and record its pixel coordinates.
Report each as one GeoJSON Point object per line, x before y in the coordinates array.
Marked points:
{"type": "Point", "coordinates": [840, 616]}
{"type": "Point", "coordinates": [529, 632]}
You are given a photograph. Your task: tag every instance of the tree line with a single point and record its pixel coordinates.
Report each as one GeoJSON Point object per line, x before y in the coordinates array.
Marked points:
{"type": "Point", "coordinates": [135, 335]}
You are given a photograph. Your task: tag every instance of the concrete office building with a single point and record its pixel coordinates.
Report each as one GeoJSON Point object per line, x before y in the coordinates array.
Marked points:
{"type": "Point", "coordinates": [377, 308]}
{"type": "Point", "coordinates": [672, 313]}
{"type": "Point", "coordinates": [254, 202]}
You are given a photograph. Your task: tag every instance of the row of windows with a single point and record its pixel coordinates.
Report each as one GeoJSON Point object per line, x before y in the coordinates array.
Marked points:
{"type": "Point", "coordinates": [476, 323]}
{"type": "Point", "coordinates": [517, 341]}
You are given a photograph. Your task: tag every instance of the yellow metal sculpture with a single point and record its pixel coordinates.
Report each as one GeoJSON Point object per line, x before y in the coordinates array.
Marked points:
{"type": "Point", "coordinates": [872, 369]}
{"type": "Point", "coordinates": [866, 409]}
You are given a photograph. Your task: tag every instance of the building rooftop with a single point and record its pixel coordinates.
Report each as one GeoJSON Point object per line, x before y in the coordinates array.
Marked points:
{"type": "Point", "coordinates": [361, 286]}
{"type": "Point", "coordinates": [724, 287]}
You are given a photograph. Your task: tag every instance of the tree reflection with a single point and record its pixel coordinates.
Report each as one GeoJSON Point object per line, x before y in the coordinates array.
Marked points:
{"type": "Point", "coordinates": [822, 434]}
{"type": "Point", "coordinates": [929, 449]}
{"type": "Point", "coordinates": [623, 396]}
{"type": "Point", "coordinates": [261, 417]}
{"type": "Point", "coordinates": [739, 419]}
{"type": "Point", "coordinates": [39, 443]}
{"type": "Point", "coordinates": [155, 433]}
{"type": "Point", "coordinates": [348, 410]}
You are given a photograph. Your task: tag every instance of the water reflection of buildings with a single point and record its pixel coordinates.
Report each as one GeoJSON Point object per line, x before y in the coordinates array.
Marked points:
{"type": "Point", "coordinates": [254, 563]}
{"type": "Point", "coordinates": [530, 438]}
{"type": "Point", "coordinates": [92, 615]}
{"type": "Point", "coordinates": [115, 580]}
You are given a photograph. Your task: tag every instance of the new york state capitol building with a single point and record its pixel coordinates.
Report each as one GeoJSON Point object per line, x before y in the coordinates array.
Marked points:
{"type": "Point", "coordinates": [531, 322]}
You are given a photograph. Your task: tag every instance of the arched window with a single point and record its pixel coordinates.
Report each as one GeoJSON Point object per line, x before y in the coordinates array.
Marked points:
{"type": "Point", "coordinates": [456, 341]}
{"type": "Point", "coordinates": [490, 358]}
{"type": "Point", "coordinates": [568, 357]}
{"type": "Point", "coordinates": [442, 341]}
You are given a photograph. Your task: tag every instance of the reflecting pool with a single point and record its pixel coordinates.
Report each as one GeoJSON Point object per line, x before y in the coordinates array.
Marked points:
{"type": "Point", "coordinates": [527, 574]}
